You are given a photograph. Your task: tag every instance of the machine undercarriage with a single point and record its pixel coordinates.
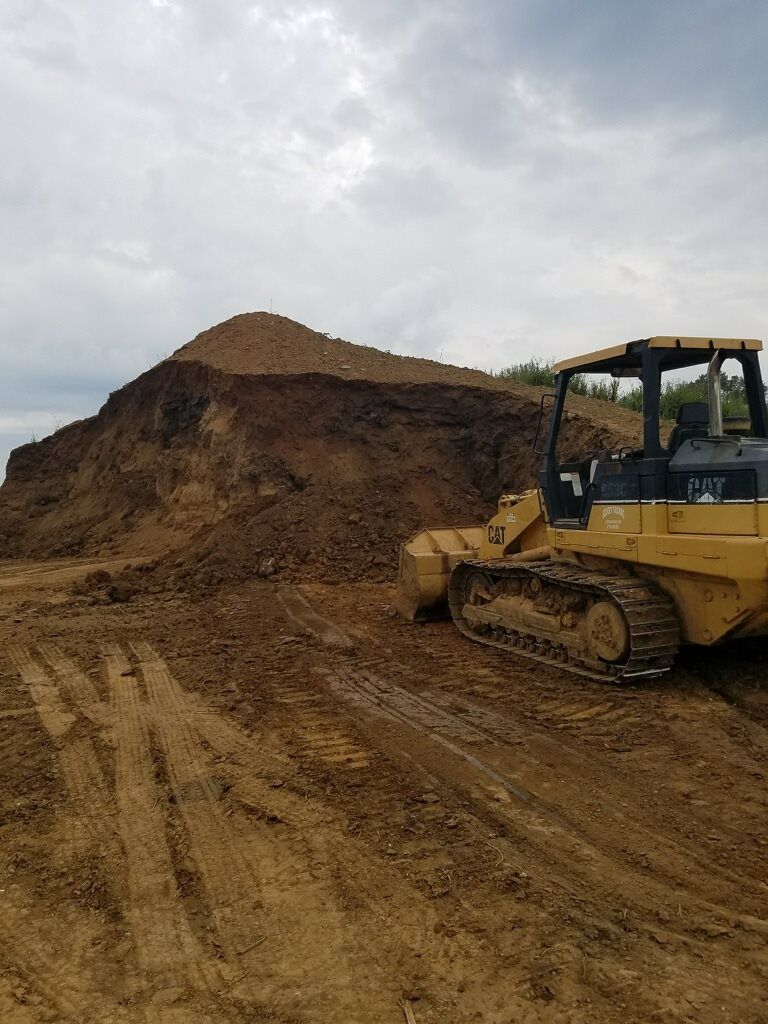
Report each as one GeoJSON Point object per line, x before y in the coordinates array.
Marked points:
{"type": "Point", "coordinates": [594, 624]}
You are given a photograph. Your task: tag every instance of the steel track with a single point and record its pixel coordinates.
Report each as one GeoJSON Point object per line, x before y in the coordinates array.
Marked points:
{"type": "Point", "coordinates": [654, 629]}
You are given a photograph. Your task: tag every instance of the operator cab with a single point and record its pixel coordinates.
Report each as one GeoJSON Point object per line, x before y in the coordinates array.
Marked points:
{"type": "Point", "coordinates": [706, 459]}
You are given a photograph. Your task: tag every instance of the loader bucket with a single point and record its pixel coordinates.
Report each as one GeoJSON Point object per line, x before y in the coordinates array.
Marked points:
{"type": "Point", "coordinates": [426, 562]}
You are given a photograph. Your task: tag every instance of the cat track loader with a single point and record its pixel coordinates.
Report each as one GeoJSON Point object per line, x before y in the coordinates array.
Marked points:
{"type": "Point", "coordinates": [619, 556]}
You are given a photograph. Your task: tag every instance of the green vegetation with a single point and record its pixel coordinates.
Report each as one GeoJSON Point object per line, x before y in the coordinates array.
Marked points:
{"type": "Point", "coordinates": [673, 392]}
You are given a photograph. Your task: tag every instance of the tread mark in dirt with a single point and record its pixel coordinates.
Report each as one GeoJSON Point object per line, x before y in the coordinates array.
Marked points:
{"type": "Point", "coordinates": [300, 865]}
{"type": "Point", "coordinates": [320, 737]}
{"type": "Point", "coordinates": [90, 805]}
{"type": "Point", "coordinates": [230, 885]}
{"type": "Point", "coordinates": [56, 719]}
{"type": "Point", "coordinates": [577, 847]}
{"type": "Point", "coordinates": [332, 745]}
{"type": "Point", "coordinates": [53, 971]}
{"type": "Point", "coordinates": [408, 709]}
{"type": "Point", "coordinates": [418, 712]}
{"type": "Point", "coordinates": [599, 717]}
{"type": "Point", "coordinates": [418, 709]}
{"type": "Point", "coordinates": [226, 739]}
{"type": "Point", "coordinates": [167, 951]}
{"type": "Point", "coordinates": [75, 684]}
{"type": "Point", "coordinates": [299, 610]}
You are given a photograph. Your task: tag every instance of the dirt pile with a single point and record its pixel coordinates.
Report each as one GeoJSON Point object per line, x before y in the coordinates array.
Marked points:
{"type": "Point", "coordinates": [264, 446]}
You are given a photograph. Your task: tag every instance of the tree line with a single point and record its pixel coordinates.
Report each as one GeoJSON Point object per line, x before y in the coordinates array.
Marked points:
{"type": "Point", "coordinates": [674, 393]}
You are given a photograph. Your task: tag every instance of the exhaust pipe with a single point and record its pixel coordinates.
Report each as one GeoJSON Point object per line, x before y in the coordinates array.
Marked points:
{"type": "Point", "coordinates": [715, 398]}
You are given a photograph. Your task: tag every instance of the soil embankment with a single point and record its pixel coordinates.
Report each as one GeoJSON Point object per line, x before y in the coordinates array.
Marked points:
{"type": "Point", "coordinates": [262, 439]}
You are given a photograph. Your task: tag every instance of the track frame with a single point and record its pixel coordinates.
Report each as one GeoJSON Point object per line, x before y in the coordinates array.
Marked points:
{"type": "Point", "coordinates": [650, 615]}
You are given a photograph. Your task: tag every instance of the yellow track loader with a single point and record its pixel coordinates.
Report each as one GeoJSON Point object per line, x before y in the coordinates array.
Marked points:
{"type": "Point", "coordinates": [619, 556]}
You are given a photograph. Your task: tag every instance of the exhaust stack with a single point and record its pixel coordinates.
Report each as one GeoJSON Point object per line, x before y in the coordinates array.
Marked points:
{"type": "Point", "coordinates": [714, 395]}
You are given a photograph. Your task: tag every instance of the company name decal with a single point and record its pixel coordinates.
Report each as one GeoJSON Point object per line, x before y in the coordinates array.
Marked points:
{"type": "Point", "coordinates": [613, 517]}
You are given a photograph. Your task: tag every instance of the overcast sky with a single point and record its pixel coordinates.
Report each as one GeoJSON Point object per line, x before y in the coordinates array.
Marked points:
{"type": "Point", "coordinates": [472, 180]}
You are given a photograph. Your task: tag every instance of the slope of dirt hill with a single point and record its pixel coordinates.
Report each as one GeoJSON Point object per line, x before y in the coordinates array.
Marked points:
{"type": "Point", "coordinates": [262, 440]}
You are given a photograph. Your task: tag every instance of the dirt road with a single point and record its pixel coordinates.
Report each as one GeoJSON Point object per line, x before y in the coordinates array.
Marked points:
{"type": "Point", "coordinates": [285, 805]}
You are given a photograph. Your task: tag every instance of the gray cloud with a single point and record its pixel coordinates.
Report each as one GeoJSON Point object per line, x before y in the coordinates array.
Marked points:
{"type": "Point", "coordinates": [486, 180]}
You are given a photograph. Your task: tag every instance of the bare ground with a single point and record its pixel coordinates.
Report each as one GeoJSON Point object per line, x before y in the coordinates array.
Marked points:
{"type": "Point", "coordinates": [285, 805]}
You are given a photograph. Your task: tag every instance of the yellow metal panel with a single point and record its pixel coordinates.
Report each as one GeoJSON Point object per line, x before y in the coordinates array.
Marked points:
{"type": "Point", "coordinates": [612, 545]}
{"type": "Point", "coordinates": [750, 344]}
{"type": "Point", "coordinates": [720, 520]}
{"type": "Point", "coordinates": [661, 341]}
{"type": "Point", "coordinates": [746, 557]}
{"type": "Point", "coordinates": [710, 608]}
{"type": "Point", "coordinates": [654, 518]}
{"type": "Point", "coordinates": [739, 558]}
{"type": "Point", "coordinates": [517, 512]}
{"type": "Point", "coordinates": [591, 357]}
{"type": "Point", "coordinates": [616, 518]}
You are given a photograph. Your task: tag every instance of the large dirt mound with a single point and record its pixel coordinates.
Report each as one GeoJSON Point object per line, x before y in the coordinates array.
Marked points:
{"type": "Point", "coordinates": [264, 343]}
{"type": "Point", "coordinates": [263, 440]}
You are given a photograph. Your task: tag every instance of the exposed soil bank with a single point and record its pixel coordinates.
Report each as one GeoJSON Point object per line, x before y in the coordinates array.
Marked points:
{"type": "Point", "coordinates": [324, 471]}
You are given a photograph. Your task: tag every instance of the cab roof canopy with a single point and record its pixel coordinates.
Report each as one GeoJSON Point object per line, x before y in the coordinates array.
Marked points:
{"type": "Point", "coordinates": [681, 352]}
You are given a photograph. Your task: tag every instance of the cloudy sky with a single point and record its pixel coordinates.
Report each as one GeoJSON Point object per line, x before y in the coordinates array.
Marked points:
{"type": "Point", "coordinates": [472, 180]}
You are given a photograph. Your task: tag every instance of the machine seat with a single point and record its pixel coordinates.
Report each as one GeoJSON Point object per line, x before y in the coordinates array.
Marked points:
{"type": "Point", "coordinates": [692, 421]}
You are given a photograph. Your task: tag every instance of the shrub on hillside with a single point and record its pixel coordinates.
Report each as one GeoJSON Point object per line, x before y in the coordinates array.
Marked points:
{"type": "Point", "coordinates": [674, 393]}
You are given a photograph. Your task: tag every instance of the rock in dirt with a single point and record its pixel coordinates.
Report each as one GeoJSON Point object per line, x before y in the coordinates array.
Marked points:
{"type": "Point", "coordinates": [120, 592]}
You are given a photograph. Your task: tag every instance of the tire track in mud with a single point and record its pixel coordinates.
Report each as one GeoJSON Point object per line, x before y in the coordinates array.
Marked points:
{"type": "Point", "coordinates": [703, 741]}
{"type": "Point", "coordinates": [316, 960]}
{"type": "Point", "coordinates": [299, 865]}
{"type": "Point", "coordinates": [61, 975]}
{"type": "Point", "coordinates": [599, 717]}
{"type": "Point", "coordinates": [56, 964]}
{"type": "Point", "coordinates": [168, 954]}
{"type": "Point", "coordinates": [90, 810]}
{"type": "Point", "coordinates": [77, 686]}
{"type": "Point", "coordinates": [230, 885]}
{"type": "Point", "coordinates": [295, 905]}
{"type": "Point", "coordinates": [658, 722]}
{"type": "Point", "coordinates": [57, 719]}
{"type": "Point", "coordinates": [301, 613]}
{"type": "Point", "coordinates": [311, 869]}
{"type": "Point", "coordinates": [678, 723]}
{"type": "Point", "coordinates": [228, 740]}
{"type": "Point", "coordinates": [578, 855]}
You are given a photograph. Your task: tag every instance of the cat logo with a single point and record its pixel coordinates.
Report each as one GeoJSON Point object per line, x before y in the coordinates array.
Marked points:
{"type": "Point", "coordinates": [496, 534]}
{"type": "Point", "coordinates": [705, 490]}
{"type": "Point", "coordinates": [613, 517]}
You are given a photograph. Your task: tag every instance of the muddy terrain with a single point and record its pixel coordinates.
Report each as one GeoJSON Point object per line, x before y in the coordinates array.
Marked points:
{"type": "Point", "coordinates": [237, 787]}
{"type": "Point", "coordinates": [286, 805]}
